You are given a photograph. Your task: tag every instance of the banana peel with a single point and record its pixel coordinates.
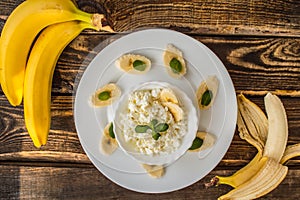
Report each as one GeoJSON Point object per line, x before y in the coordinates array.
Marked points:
{"type": "Point", "coordinates": [266, 170]}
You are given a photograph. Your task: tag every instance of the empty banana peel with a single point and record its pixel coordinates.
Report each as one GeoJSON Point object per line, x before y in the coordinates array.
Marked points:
{"type": "Point", "coordinates": [155, 171]}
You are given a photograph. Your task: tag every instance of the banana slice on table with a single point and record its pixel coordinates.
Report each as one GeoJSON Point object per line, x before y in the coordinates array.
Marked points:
{"type": "Point", "coordinates": [167, 95]}
{"type": "Point", "coordinates": [174, 62]}
{"type": "Point", "coordinates": [108, 142]}
{"type": "Point", "coordinates": [105, 95]}
{"type": "Point", "coordinates": [155, 171]}
{"type": "Point", "coordinates": [176, 110]}
{"type": "Point", "coordinates": [202, 141]}
{"type": "Point", "coordinates": [207, 92]}
{"type": "Point", "coordinates": [133, 64]}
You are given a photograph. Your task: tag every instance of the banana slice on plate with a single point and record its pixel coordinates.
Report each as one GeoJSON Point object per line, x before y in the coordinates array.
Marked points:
{"type": "Point", "coordinates": [202, 141]}
{"type": "Point", "coordinates": [155, 171]}
{"type": "Point", "coordinates": [175, 110]}
{"type": "Point", "coordinates": [167, 95]}
{"type": "Point", "coordinates": [174, 62]}
{"type": "Point", "coordinates": [133, 64]}
{"type": "Point", "coordinates": [105, 95]}
{"type": "Point", "coordinates": [108, 142]}
{"type": "Point", "coordinates": [207, 92]}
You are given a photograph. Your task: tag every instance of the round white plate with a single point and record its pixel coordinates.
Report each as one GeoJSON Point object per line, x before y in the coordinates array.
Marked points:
{"type": "Point", "coordinates": [219, 120]}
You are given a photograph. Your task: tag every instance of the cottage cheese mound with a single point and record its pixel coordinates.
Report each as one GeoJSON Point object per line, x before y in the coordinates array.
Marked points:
{"type": "Point", "coordinates": [144, 106]}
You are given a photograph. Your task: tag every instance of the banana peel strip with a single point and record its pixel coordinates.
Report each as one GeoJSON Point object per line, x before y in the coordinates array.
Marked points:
{"type": "Point", "coordinates": [278, 128]}
{"type": "Point", "coordinates": [252, 122]}
{"type": "Point", "coordinates": [291, 151]}
{"type": "Point", "coordinates": [268, 178]}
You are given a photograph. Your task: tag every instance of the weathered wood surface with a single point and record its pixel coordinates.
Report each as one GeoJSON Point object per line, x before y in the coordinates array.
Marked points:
{"type": "Point", "coordinates": [268, 64]}
{"type": "Point", "coordinates": [88, 183]}
{"type": "Point", "coordinates": [259, 44]}
{"type": "Point", "coordinates": [255, 17]}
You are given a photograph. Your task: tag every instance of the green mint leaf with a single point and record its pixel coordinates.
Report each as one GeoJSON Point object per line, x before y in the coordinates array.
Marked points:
{"type": "Point", "coordinates": [197, 143]}
{"type": "Point", "coordinates": [206, 98]}
{"type": "Point", "coordinates": [103, 96]}
{"type": "Point", "coordinates": [111, 130]}
{"type": "Point", "coordinates": [141, 128]}
{"type": "Point", "coordinates": [154, 122]}
{"type": "Point", "coordinates": [175, 65]}
{"type": "Point", "coordinates": [162, 127]}
{"type": "Point", "coordinates": [155, 136]}
{"type": "Point", "coordinates": [139, 65]}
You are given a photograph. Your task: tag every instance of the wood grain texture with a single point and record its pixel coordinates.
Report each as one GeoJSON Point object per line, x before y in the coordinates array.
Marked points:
{"type": "Point", "coordinates": [88, 183]}
{"type": "Point", "coordinates": [64, 147]}
{"type": "Point", "coordinates": [256, 65]}
{"type": "Point", "coordinates": [254, 17]}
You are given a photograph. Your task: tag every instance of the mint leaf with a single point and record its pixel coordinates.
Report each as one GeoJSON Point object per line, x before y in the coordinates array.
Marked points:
{"type": "Point", "coordinates": [162, 127]}
{"type": "Point", "coordinates": [141, 128]}
{"type": "Point", "coordinates": [197, 143]}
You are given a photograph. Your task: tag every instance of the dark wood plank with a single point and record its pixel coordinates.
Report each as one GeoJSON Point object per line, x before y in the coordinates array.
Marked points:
{"type": "Point", "coordinates": [29, 182]}
{"type": "Point", "coordinates": [256, 65]}
{"type": "Point", "coordinates": [64, 147]}
{"type": "Point", "coordinates": [258, 17]}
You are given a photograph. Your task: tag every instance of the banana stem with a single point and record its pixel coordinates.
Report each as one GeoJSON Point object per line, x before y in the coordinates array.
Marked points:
{"type": "Point", "coordinates": [95, 20]}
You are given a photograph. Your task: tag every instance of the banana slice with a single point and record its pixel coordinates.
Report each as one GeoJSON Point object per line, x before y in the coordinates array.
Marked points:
{"type": "Point", "coordinates": [174, 62]}
{"type": "Point", "coordinates": [133, 64]}
{"type": "Point", "coordinates": [108, 143]}
{"type": "Point", "coordinates": [176, 111]}
{"type": "Point", "coordinates": [167, 95]}
{"type": "Point", "coordinates": [208, 140]}
{"type": "Point", "coordinates": [155, 171]}
{"type": "Point", "coordinates": [207, 92]}
{"type": "Point", "coordinates": [105, 95]}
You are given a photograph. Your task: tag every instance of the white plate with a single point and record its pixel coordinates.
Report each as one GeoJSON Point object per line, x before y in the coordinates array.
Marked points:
{"type": "Point", "coordinates": [220, 120]}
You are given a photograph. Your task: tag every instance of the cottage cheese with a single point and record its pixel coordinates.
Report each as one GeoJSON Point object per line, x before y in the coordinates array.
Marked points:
{"type": "Point", "coordinates": [144, 106]}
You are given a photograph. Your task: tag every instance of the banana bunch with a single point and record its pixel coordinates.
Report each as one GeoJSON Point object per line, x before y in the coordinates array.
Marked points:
{"type": "Point", "coordinates": [269, 135]}
{"type": "Point", "coordinates": [32, 40]}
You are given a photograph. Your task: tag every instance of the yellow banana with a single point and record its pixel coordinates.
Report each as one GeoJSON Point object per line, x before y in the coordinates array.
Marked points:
{"type": "Point", "coordinates": [278, 128]}
{"type": "Point", "coordinates": [270, 175]}
{"type": "Point", "coordinates": [242, 175]}
{"type": "Point", "coordinates": [39, 72]}
{"type": "Point", "coordinates": [19, 32]}
{"type": "Point", "coordinates": [252, 124]}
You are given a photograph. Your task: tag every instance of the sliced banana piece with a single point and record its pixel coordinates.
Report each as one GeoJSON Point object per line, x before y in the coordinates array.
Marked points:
{"type": "Point", "coordinates": [155, 171]}
{"type": "Point", "coordinates": [176, 111]}
{"type": "Point", "coordinates": [208, 140]}
{"type": "Point", "coordinates": [108, 144]}
{"type": "Point", "coordinates": [174, 62]}
{"type": "Point", "coordinates": [168, 95]}
{"type": "Point", "coordinates": [133, 64]}
{"type": "Point", "coordinates": [207, 92]}
{"type": "Point", "coordinates": [105, 95]}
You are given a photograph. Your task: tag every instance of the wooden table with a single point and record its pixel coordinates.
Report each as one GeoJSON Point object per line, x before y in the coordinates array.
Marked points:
{"type": "Point", "coordinates": [258, 42]}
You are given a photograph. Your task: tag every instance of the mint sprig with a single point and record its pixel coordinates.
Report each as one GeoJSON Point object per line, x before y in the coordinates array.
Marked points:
{"type": "Point", "coordinates": [155, 127]}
